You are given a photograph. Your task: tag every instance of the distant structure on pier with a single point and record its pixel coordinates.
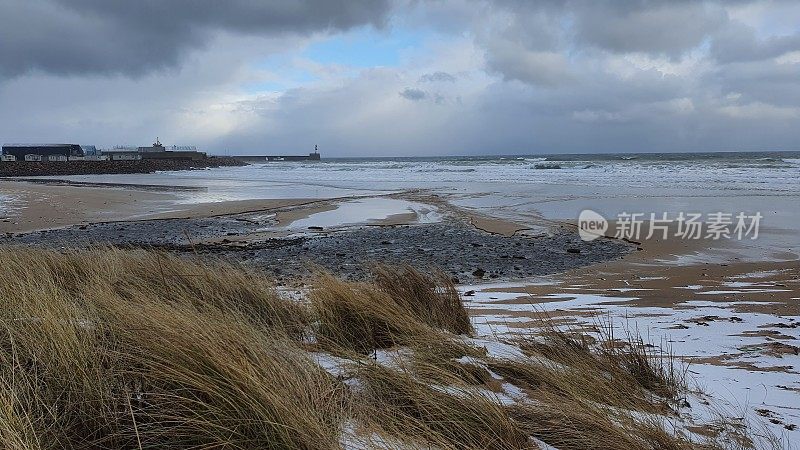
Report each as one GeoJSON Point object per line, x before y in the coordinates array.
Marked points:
{"type": "Point", "coordinates": [314, 156]}
{"type": "Point", "coordinates": [156, 147]}
{"type": "Point", "coordinates": [155, 151]}
{"type": "Point", "coordinates": [45, 151]}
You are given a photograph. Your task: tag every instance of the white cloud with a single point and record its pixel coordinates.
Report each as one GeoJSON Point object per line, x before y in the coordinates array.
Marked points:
{"type": "Point", "coordinates": [500, 76]}
{"type": "Point", "coordinates": [762, 111]}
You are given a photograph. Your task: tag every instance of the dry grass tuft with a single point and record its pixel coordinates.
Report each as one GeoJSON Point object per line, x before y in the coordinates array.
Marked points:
{"type": "Point", "coordinates": [400, 307]}
{"type": "Point", "coordinates": [359, 317]}
{"type": "Point", "coordinates": [442, 416]}
{"type": "Point", "coordinates": [126, 275]}
{"type": "Point", "coordinates": [432, 299]}
{"type": "Point", "coordinates": [436, 354]}
{"type": "Point", "coordinates": [116, 349]}
{"type": "Point", "coordinates": [575, 423]}
{"type": "Point", "coordinates": [631, 366]}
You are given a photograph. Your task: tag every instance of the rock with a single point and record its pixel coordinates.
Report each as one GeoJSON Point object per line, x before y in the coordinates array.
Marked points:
{"type": "Point", "coordinates": [469, 293]}
{"type": "Point", "coordinates": [349, 253]}
{"type": "Point", "coordinates": [54, 168]}
{"type": "Point", "coordinates": [315, 228]}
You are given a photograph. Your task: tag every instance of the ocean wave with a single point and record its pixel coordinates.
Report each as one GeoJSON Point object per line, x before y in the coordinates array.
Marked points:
{"type": "Point", "coordinates": [447, 170]}
{"type": "Point", "coordinates": [547, 166]}
{"type": "Point", "coordinates": [397, 166]}
{"type": "Point", "coordinates": [758, 166]}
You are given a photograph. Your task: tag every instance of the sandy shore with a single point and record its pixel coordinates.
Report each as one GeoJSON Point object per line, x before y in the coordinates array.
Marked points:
{"type": "Point", "coordinates": [737, 322]}
{"type": "Point", "coordinates": [304, 206]}
{"type": "Point", "coordinates": [33, 207]}
{"type": "Point", "coordinates": [46, 204]}
{"type": "Point", "coordinates": [40, 206]}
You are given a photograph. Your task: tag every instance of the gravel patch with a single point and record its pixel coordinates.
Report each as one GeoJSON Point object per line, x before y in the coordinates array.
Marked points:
{"type": "Point", "coordinates": [465, 253]}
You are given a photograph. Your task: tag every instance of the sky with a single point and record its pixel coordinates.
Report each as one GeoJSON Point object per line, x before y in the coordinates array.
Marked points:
{"type": "Point", "coordinates": [403, 77]}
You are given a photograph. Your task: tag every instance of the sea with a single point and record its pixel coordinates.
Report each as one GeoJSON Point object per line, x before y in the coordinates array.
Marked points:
{"type": "Point", "coordinates": [770, 172]}
{"type": "Point", "coordinates": [527, 188]}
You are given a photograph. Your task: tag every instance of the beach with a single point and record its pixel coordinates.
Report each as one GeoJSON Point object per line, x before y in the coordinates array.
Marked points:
{"type": "Point", "coordinates": [505, 232]}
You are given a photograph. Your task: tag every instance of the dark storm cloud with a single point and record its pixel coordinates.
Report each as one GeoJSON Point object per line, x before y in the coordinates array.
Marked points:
{"type": "Point", "coordinates": [661, 27]}
{"type": "Point", "coordinates": [538, 43]}
{"type": "Point", "coordinates": [738, 43]}
{"type": "Point", "coordinates": [652, 26]}
{"type": "Point", "coordinates": [77, 37]}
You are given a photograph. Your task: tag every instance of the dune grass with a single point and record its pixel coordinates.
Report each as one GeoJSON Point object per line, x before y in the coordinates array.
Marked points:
{"type": "Point", "coordinates": [442, 415]}
{"type": "Point", "coordinates": [627, 360]}
{"type": "Point", "coordinates": [399, 307]}
{"type": "Point", "coordinates": [117, 349]}
{"type": "Point", "coordinates": [106, 348]}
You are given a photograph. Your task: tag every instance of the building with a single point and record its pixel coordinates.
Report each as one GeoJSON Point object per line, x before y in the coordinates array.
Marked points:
{"type": "Point", "coordinates": [44, 150]}
{"type": "Point", "coordinates": [155, 151]}
{"type": "Point", "coordinates": [169, 154]}
{"type": "Point", "coordinates": [59, 158]}
{"type": "Point", "coordinates": [8, 158]}
{"type": "Point", "coordinates": [123, 155]}
{"type": "Point", "coordinates": [33, 158]}
{"type": "Point", "coordinates": [156, 147]}
{"type": "Point", "coordinates": [89, 150]}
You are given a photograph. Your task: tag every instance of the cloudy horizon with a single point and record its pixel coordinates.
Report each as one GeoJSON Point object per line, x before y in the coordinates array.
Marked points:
{"type": "Point", "coordinates": [403, 77]}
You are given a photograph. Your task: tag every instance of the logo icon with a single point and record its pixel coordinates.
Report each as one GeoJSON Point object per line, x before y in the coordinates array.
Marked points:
{"type": "Point", "coordinates": [591, 225]}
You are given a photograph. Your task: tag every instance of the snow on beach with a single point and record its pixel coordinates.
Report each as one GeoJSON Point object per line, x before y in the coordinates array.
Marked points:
{"type": "Point", "coordinates": [747, 362]}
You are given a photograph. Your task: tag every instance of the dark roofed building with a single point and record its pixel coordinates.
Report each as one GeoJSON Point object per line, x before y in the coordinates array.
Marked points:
{"type": "Point", "coordinates": [45, 150]}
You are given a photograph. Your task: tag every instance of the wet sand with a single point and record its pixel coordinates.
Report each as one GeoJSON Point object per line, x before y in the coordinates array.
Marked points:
{"type": "Point", "coordinates": [496, 226]}
{"type": "Point", "coordinates": [33, 205]}
{"type": "Point", "coordinates": [48, 204]}
{"type": "Point", "coordinates": [736, 323]}
{"type": "Point", "coordinates": [301, 208]}
{"type": "Point", "coordinates": [36, 206]}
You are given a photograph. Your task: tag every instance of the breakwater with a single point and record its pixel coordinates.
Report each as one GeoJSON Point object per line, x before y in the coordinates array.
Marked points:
{"type": "Point", "coordinates": [55, 168]}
